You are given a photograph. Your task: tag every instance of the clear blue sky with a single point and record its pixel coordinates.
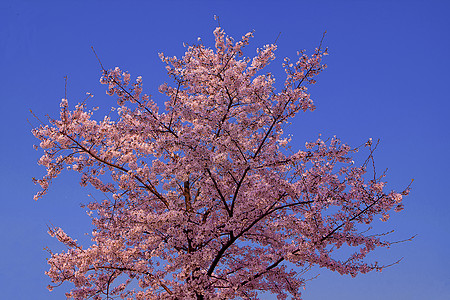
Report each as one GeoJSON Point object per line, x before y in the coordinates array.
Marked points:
{"type": "Point", "coordinates": [387, 78]}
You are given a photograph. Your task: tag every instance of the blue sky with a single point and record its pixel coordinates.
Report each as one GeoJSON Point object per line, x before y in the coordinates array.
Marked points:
{"type": "Point", "coordinates": [387, 78]}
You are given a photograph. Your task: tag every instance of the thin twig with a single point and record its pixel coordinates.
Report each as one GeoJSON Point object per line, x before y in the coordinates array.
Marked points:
{"type": "Point", "coordinates": [103, 69]}
{"type": "Point", "coordinates": [217, 19]}
{"type": "Point", "coordinates": [323, 36]}
{"type": "Point", "coordinates": [65, 87]}
{"type": "Point", "coordinates": [277, 37]}
{"type": "Point", "coordinates": [36, 117]}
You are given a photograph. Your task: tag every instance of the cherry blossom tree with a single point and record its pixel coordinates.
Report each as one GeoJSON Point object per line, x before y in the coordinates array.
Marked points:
{"type": "Point", "coordinates": [207, 199]}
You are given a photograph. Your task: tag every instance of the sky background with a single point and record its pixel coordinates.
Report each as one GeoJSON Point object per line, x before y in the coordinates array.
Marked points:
{"type": "Point", "coordinates": [387, 78]}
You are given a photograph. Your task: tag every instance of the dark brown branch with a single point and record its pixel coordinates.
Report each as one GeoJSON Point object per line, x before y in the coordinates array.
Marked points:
{"type": "Point", "coordinates": [237, 189]}
{"type": "Point", "coordinates": [233, 238]}
{"type": "Point", "coordinates": [220, 193]}
{"type": "Point", "coordinates": [165, 287]}
{"type": "Point", "coordinates": [151, 188]}
{"type": "Point", "coordinates": [226, 113]}
{"type": "Point", "coordinates": [134, 98]}
{"type": "Point", "coordinates": [187, 196]}
{"type": "Point", "coordinates": [352, 218]}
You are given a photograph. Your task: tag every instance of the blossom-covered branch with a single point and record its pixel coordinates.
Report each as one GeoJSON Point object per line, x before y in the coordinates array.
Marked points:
{"type": "Point", "coordinates": [206, 200]}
